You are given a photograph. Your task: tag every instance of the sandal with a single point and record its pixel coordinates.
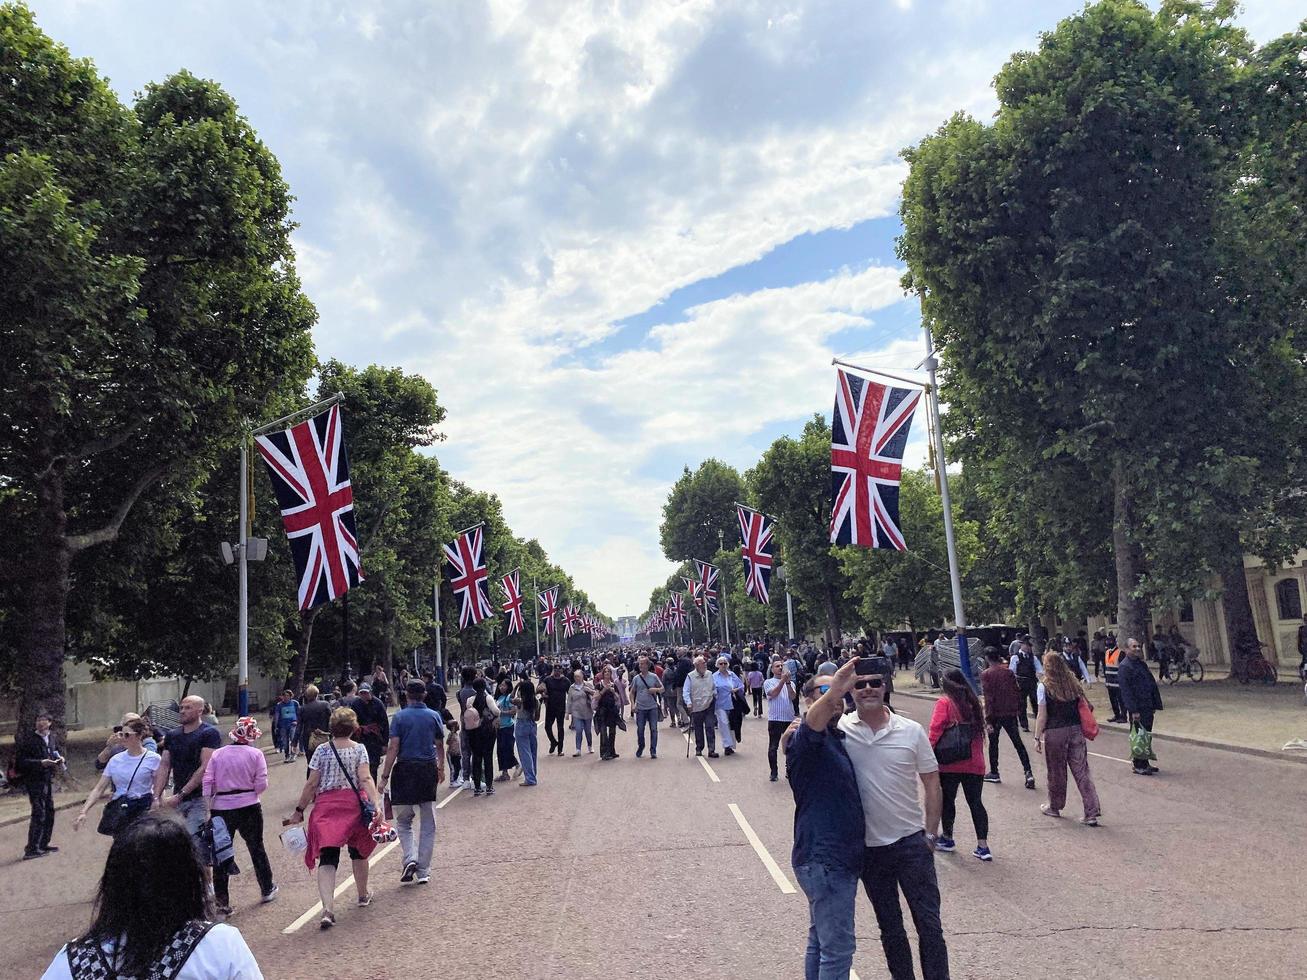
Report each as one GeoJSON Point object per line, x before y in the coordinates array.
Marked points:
{"type": "Point", "coordinates": [327, 921]}
{"type": "Point", "coordinates": [365, 900]}
{"type": "Point", "coordinates": [1048, 811]}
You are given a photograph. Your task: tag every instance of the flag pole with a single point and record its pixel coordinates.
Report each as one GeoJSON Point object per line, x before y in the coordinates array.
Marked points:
{"type": "Point", "coordinates": [535, 586]}
{"type": "Point", "coordinates": [435, 604]}
{"type": "Point", "coordinates": [243, 617]}
{"type": "Point", "coordinates": [885, 374]}
{"type": "Point", "coordinates": [931, 364]}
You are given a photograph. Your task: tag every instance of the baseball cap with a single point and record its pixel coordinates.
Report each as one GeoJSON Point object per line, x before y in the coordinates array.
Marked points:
{"type": "Point", "coordinates": [365, 686]}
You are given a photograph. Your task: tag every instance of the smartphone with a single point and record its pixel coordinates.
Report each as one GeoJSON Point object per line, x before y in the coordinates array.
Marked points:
{"type": "Point", "coordinates": [867, 665]}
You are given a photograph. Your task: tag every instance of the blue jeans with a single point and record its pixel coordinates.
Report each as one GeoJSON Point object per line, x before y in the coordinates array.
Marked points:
{"type": "Point", "coordinates": [646, 716]}
{"type": "Point", "coordinates": [907, 864]}
{"type": "Point", "coordinates": [832, 894]}
{"type": "Point", "coordinates": [285, 739]}
{"type": "Point", "coordinates": [524, 738]}
{"type": "Point", "coordinates": [418, 851]}
{"type": "Point", "coordinates": [583, 725]}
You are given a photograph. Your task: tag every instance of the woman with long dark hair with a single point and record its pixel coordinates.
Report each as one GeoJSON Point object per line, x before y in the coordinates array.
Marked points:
{"type": "Point", "coordinates": [504, 731]}
{"type": "Point", "coordinates": [960, 706]}
{"type": "Point", "coordinates": [152, 912]}
{"type": "Point", "coordinates": [481, 737]}
{"type": "Point", "coordinates": [524, 729]}
{"type": "Point", "coordinates": [608, 709]}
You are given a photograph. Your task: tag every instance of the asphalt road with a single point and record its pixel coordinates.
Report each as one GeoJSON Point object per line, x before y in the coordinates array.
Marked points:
{"type": "Point", "coordinates": [642, 868]}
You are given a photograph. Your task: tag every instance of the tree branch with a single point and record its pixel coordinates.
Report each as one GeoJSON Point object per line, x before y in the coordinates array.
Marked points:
{"type": "Point", "coordinates": [104, 445]}
{"type": "Point", "coordinates": [80, 542]}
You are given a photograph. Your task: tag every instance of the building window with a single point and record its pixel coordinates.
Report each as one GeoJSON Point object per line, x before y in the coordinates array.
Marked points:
{"type": "Point", "coordinates": [1288, 599]}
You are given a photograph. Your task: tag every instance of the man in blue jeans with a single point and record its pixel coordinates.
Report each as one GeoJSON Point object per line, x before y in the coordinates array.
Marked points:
{"type": "Point", "coordinates": [890, 753]}
{"type": "Point", "coordinates": [647, 689]}
{"type": "Point", "coordinates": [414, 766]}
{"type": "Point", "coordinates": [828, 833]}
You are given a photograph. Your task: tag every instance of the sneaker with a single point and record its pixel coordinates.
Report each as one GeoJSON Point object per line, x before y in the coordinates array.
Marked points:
{"type": "Point", "coordinates": [992, 777]}
{"type": "Point", "coordinates": [424, 879]}
{"type": "Point", "coordinates": [365, 900]}
{"type": "Point", "coordinates": [28, 855]}
{"type": "Point", "coordinates": [946, 844]}
{"type": "Point", "coordinates": [503, 777]}
{"type": "Point", "coordinates": [576, 754]}
{"type": "Point", "coordinates": [1151, 768]}
{"type": "Point", "coordinates": [223, 910]}
{"type": "Point", "coordinates": [50, 849]}
{"type": "Point", "coordinates": [983, 854]}
{"type": "Point", "coordinates": [653, 755]}
{"type": "Point", "coordinates": [713, 755]}
{"type": "Point", "coordinates": [525, 783]}
{"type": "Point", "coordinates": [1048, 811]}
{"type": "Point", "coordinates": [1089, 821]}
{"type": "Point", "coordinates": [699, 754]}
{"type": "Point", "coordinates": [409, 872]}
{"type": "Point", "coordinates": [589, 750]}
{"type": "Point", "coordinates": [1144, 772]}
{"type": "Point", "coordinates": [271, 895]}
{"type": "Point", "coordinates": [327, 921]}
{"type": "Point", "coordinates": [477, 792]}
{"type": "Point", "coordinates": [773, 777]}
{"type": "Point", "coordinates": [730, 752]}
{"type": "Point", "coordinates": [1030, 779]}
{"type": "Point", "coordinates": [639, 753]}
{"type": "Point", "coordinates": [490, 791]}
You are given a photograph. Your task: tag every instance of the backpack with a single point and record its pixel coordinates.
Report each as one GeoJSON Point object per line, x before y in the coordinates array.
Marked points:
{"type": "Point", "coordinates": [471, 719]}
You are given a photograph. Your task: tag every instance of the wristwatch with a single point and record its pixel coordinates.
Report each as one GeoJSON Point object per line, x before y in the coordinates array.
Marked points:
{"type": "Point", "coordinates": [300, 810]}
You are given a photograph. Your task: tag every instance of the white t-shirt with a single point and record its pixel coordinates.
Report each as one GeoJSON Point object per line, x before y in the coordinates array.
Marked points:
{"type": "Point", "coordinates": [221, 955]}
{"type": "Point", "coordinates": [888, 763]}
{"type": "Point", "coordinates": [120, 768]}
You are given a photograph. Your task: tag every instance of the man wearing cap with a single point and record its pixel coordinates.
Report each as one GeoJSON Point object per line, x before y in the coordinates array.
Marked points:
{"type": "Point", "coordinates": [415, 758]}
{"type": "Point", "coordinates": [1071, 654]}
{"type": "Point", "coordinates": [1027, 668]}
{"type": "Point", "coordinates": [374, 725]}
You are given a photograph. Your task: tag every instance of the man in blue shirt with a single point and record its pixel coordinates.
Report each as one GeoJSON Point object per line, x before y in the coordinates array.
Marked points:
{"type": "Point", "coordinates": [415, 755]}
{"type": "Point", "coordinates": [828, 832]}
{"type": "Point", "coordinates": [725, 683]}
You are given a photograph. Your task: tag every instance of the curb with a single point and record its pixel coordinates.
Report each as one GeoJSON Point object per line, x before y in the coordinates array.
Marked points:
{"type": "Point", "coordinates": [1280, 756]}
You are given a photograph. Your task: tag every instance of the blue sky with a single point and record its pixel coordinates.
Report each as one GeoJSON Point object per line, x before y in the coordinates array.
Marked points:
{"type": "Point", "coordinates": [618, 237]}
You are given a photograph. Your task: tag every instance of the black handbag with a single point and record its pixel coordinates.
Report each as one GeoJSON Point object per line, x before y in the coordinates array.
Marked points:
{"type": "Point", "coordinates": [122, 810]}
{"type": "Point", "coordinates": [954, 744]}
{"type": "Point", "coordinates": [367, 809]}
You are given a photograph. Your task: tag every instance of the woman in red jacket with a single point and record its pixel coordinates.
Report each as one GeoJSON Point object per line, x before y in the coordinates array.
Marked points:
{"type": "Point", "coordinates": [959, 706]}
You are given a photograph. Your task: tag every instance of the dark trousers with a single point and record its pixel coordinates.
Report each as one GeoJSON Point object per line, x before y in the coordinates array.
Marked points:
{"type": "Point", "coordinates": [507, 753]}
{"type": "Point", "coordinates": [1008, 725]}
{"type": "Point", "coordinates": [554, 719]}
{"type": "Point", "coordinates": [481, 741]}
{"type": "Point", "coordinates": [248, 822]}
{"type": "Point", "coordinates": [1114, 696]}
{"type": "Point", "coordinates": [455, 767]}
{"type": "Point", "coordinates": [607, 739]}
{"type": "Point", "coordinates": [907, 865]}
{"type": "Point", "coordinates": [775, 729]}
{"type": "Point", "coordinates": [1028, 695]}
{"type": "Point", "coordinates": [1145, 722]}
{"type": "Point", "coordinates": [972, 786]}
{"type": "Point", "coordinates": [757, 702]}
{"type": "Point", "coordinates": [705, 722]}
{"type": "Point", "coordinates": [40, 794]}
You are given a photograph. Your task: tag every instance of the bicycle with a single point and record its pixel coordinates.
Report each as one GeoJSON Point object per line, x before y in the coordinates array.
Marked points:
{"type": "Point", "coordinates": [1258, 668]}
{"type": "Point", "coordinates": [1187, 666]}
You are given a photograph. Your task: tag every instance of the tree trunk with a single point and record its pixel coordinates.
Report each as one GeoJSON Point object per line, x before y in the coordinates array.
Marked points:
{"type": "Point", "coordinates": [300, 662]}
{"type": "Point", "coordinates": [1240, 627]}
{"type": "Point", "coordinates": [831, 607]}
{"type": "Point", "coordinates": [41, 649]}
{"type": "Point", "coordinates": [1131, 611]}
{"type": "Point", "coordinates": [388, 654]}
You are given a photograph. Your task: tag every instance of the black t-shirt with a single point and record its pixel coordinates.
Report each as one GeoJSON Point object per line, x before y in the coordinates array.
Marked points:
{"type": "Point", "coordinates": [556, 691]}
{"type": "Point", "coordinates": [435, 699]}
{"type": "Point", "coordinates": [184, 749]}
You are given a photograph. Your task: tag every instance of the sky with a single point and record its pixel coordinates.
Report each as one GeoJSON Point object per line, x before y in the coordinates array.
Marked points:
{"type": "Point", "coordinates": [617, 237]}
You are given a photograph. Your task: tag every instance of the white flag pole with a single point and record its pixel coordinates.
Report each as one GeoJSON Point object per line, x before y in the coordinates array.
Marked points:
{"type": "Point", "coordinates": [243, 627]}
{"type": "Point", "coordinates": [535, 586]}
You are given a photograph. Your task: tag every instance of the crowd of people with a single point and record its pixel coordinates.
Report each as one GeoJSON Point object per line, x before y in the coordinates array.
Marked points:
{"type": "Point", "coordinates": [857, 770]}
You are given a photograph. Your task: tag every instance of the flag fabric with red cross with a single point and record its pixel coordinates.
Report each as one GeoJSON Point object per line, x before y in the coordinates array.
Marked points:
{"type": "Point", "coordinates": [310, 476]}
{"type": "Point", "coordinates": [692, 590]}
{"type": "Point", "coordinates": [571, 620]}
{"type": "Point", "coordinates": [707, 585]}
{"type": "Point", "coordinates": [869, 430]}
{"type": "Point", "coordinates": [548, 600]}
{"type": "Point", "coordinates": [755, 548]}
{"type": "Point", "coordinates": [677, 609]}
{"type": "Point", "coordinates": [469, 578]}
{"type": "Point", "coordinates": [513, 602]}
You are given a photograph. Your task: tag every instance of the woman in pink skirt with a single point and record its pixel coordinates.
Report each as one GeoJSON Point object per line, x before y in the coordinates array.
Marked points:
{"type": "Point", "coordinates": [339, 782]}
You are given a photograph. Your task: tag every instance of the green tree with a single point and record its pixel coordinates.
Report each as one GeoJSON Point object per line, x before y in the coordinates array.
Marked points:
{"type": "Point", "coordinates": [151, 305]}
{"type": "Point", "coordinates": [701, 505]}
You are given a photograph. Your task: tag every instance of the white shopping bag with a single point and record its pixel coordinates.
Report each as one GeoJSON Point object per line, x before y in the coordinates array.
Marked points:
{"type": "Point", "coordinates": [295, 840]}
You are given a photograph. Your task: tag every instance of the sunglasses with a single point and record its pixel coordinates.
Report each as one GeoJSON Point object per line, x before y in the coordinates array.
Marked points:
{"type": "Point", "coordinates": [871, 682]}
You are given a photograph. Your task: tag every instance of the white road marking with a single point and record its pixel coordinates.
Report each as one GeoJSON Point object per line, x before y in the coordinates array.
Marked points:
{"type": "Point", "coordinates": [778, 876]}
{"type": "Point", "coordinates": [1110, 758]}
{"type": "Point", "coordinates": [708, 769]}
{"type": "Point", "coordinates": [853, 975]}
{"type": "Point", "coordinates": [316, 910]}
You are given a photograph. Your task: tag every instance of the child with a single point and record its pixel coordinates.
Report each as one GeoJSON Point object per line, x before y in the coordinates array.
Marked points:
{"type": "Point", "coordinates": [455, 753]}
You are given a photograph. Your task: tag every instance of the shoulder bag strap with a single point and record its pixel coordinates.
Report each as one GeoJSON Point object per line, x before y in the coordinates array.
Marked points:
{"type": "Point", "coordinates": [128, 788]}
{"type": "Point", "coordinates": [180, 949]}
{"type": "Point", "coordinates": [341, 762]}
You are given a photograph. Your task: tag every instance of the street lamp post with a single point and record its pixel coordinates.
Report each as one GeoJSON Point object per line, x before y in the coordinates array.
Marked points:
{"type": "Point", "coordinates": [789, 605]}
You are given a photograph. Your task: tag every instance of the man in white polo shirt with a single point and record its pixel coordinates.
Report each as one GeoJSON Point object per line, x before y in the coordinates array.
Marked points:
{"type": "Point", "coordinates": [890, 755]}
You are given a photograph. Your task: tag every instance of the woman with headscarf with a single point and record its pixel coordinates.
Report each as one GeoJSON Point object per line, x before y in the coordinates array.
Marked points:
{"type": "Point", "coordinates": [608, 711]}
{"type": "Point", "coordinates": [234, 779]}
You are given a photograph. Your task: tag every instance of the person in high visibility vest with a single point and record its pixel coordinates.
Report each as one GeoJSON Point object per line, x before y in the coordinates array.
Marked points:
{"type": "Point", "coordinates": [1111, 676]}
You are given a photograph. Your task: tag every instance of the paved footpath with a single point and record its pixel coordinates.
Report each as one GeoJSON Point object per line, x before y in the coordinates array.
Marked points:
{"type": "Point", "coordinates": [673, 868]}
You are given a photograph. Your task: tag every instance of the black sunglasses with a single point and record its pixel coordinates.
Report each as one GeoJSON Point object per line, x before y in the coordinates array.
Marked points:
{"type": "Point", "coordinates": [871, 682]}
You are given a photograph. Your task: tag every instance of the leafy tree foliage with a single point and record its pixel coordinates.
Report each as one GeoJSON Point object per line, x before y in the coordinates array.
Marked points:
{"type": "Point", "coordinates": [700, 505]}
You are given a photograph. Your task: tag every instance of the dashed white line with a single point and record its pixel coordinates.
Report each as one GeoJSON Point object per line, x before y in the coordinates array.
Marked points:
{"type": "Point", "coordinates": [708, 769]}
{"type": "Point", "coordinates": [1110, 758]}
{"type": "Point", "coordinates": [768, 862]}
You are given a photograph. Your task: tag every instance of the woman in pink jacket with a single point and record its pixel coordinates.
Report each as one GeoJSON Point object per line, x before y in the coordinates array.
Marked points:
{"type": "Point", "coordinates": [233, 780]}
{"type": "Point", "coordinates": [960, 706]}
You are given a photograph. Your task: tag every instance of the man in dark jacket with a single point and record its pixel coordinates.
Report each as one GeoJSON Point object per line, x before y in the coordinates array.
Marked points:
{"type": "Point", "coordinates": [1139, 695]}
{"type": "Point", "coordinates": [684, 665]}
{"type": "Point", "coordinates": [38, 758]}
{"type": "Point", "coordinates": [374, 725]}
{"type": "Point", "coordinates": [1002, 711]}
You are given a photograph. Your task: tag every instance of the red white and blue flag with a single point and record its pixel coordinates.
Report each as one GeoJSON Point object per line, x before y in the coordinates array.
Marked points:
{"type": "Point", "coordinates": [513, 602]}
{"type": "Point", "coordinates": [692, 590]}
{"type": "Point", "coordinates": [571, 620]}
{"type": "Point", "coordinates": [755, 548]}
{"type": "Point", "coordinates": [469, 578]}
{"type": "Point", "coordinates": [677, 609]}
{"type": "Point", "coordinates": [869, 431]}
{"type": "Point", "coordinates": [707, 584]}
{"type": "Point", "coordinates": [310, 476]}
{"type": "Point", "coordinates": [549, 608]}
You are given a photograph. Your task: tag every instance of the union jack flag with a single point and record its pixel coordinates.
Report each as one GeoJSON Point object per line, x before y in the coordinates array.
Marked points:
{"type": "Point", "coordinates": [310, 476]}
{"type": "Point", "coordinates": [513, 602]}
{"type": "Point", "coordinates": [692, 590]}
{"type": "Point", "coordinates": [549, 608]}
{"type": "Point", "coordinates": [755, 537]}
{"type": "Point", "coordinates": [470, 580]}
{"type": "Point", "coordinates": [707, 584]}
{"type": "Point", "coordinates": [869, 430]}
{"type": "Point", "coordinates": [676, 607]}
{"type": "Point", "coordinates": [571, 620]}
